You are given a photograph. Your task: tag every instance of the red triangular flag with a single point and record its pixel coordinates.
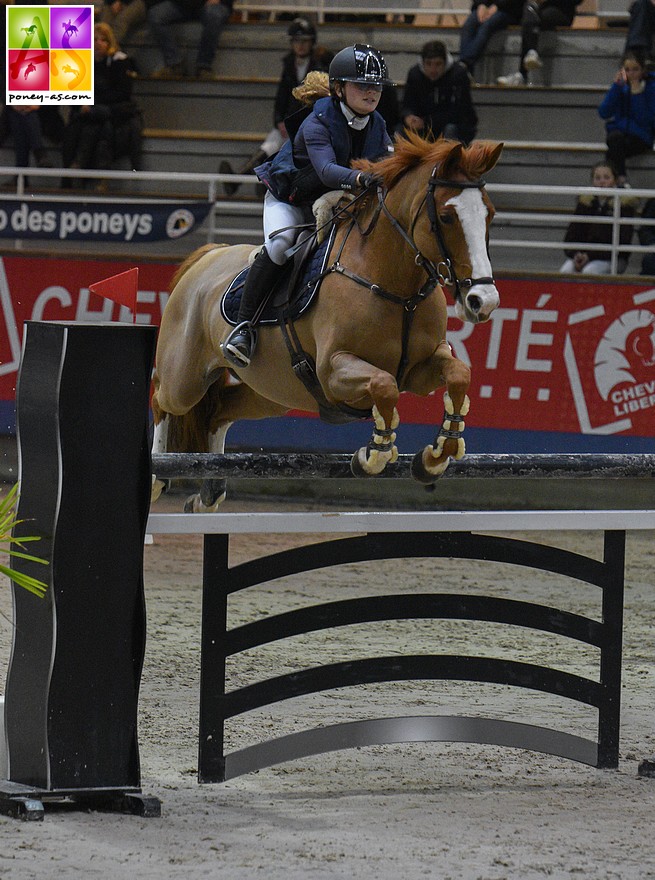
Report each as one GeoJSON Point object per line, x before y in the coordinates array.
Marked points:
{"type": "Point", "coordinates": [120, 288]}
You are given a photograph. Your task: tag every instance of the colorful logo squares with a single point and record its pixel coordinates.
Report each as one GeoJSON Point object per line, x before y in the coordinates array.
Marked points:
{"type": "Point", "coordinates": [49, 54]}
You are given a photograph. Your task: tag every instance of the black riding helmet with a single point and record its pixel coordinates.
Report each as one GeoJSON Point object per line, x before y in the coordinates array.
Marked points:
{"type": "Point", "coordinates": [359, 63]}
{"type": "Point", "coordinates": [300, 27]}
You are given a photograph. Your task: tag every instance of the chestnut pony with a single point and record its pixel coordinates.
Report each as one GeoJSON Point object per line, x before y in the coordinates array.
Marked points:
{"type": "Point", "coordinates": [376, 329]}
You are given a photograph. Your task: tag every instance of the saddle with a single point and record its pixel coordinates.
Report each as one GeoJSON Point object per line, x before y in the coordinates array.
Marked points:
{"type": "Point", "coordinates": [294, 291]}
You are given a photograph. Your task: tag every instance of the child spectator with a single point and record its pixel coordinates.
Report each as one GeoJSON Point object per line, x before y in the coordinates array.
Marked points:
{"type": "Point", "coordinates": [213, 15]}
{"type": "Point", "coordinates": [595, 262]}
{"type": "Point", "coordinates": [485, 19]}
{"type": "Point", "coordinates": [304, 56]}
{"type": "Point", "coordinates": [629, 108]}
{"type": "Point", "coordinates": [537, 17]}
{"type": "Point", "coordinates": [437, 99]}
{"type": "Point", "coordinates": [111, 127]}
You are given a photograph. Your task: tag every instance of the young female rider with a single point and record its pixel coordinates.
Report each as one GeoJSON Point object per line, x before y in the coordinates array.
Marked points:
{"type": "Point", "coordinates": [340, 128]}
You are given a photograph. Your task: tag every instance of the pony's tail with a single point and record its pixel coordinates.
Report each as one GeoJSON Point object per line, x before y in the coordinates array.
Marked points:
{"type": "Point", "coordinates": [190, 432]}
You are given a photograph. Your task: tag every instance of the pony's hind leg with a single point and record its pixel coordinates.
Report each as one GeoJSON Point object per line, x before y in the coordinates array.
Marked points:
{"type": "Point", "coordinates": [159, 445]}
{"type": "Point", "coordinates": [212, 491]}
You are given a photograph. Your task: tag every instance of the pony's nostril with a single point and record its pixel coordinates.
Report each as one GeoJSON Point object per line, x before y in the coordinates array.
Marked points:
{"type": "Point", "coordinates": [474, 303]}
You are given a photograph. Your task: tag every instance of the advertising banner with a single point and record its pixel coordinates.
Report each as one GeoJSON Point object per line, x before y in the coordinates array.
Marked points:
{"type": "Point", "coordinates": [561, 364]}
{"type": "Point", "coordinates": [123, 221]}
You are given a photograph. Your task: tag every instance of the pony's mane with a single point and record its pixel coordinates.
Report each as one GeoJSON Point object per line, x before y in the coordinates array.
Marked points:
{"type": "Point", "coordinates": [411, 150]}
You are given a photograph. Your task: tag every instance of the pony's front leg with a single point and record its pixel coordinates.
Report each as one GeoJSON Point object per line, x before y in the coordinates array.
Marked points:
{"type": "Point", "coordinates": [359, 384]}
{"type": "Point", "coordinates": [429, 464]}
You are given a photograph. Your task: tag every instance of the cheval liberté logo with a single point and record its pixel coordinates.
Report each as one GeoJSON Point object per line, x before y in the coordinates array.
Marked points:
{"type": "Point", "coordinates": [49, 55]}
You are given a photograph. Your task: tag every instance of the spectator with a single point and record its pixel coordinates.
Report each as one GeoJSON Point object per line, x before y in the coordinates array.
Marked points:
{"type": "Point", "coordinates": [25, 128]}
{"type": "Point", "coordinates": [536, 17]}
{"type": "Point", "coordinates": [213, 14]}
{"type": "Point", "coordinates": [641, 28]}
{"type": "Point", "coordinates": [437, 99]}
{"type": "Point", "coordinates": [595, 262]}
{"type": "Point", "coordinates": [111, 127]}
{"type": "Point", "coordinates": [304, 56]}
{"type": "Point", "coordinates": [647, 238]}
{"type": "Point", "coordinates": [122, 16]}
{"type": "Point", "coordinates": [484, 20]}
{"type": "Point", "coordinates": [629, 108]}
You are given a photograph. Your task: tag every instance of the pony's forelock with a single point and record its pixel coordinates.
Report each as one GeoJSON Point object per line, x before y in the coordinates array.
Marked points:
{"type": "Point", "coordinates": [411, 150]}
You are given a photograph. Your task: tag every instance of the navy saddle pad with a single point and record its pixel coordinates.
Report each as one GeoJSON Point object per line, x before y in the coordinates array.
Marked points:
{"type": "Point", "coordinates": [301, 300]}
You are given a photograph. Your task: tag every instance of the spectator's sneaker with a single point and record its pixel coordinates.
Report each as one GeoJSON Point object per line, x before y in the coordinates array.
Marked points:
{"type": "Point", "coordinates": [532, 61]}
{"type": "Point", "coordinates": [206, 74]}
{"type": "Point", "coordinates": [175, 71]}
{"type": "Point", "coordinates": [512, 80]}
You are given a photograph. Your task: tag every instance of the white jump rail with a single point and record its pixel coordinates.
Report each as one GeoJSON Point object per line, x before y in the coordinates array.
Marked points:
{"type": "Point", "coordinates": [352, 522]}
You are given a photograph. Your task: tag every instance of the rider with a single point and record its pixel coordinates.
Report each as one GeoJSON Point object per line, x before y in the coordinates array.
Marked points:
{"type": "Point", "coordinates": [340, 128]}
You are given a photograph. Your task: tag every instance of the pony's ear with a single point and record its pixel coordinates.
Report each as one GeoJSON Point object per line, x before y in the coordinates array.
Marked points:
{"type": "Point", "coordinates": [451, 161]}
{"type": "Point", "coordinates": [492, 156]}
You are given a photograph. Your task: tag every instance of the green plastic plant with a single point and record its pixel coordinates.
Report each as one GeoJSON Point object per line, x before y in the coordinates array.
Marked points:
{"type": "Point", "coordinates": [7, 541]}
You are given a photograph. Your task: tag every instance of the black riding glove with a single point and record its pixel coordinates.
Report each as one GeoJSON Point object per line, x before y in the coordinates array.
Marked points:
{"type": "Point", "coordinates": [366, 179]}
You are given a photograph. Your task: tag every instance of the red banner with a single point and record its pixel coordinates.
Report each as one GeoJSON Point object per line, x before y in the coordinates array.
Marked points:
{"type": "Point", "coordinates": [575, 357]}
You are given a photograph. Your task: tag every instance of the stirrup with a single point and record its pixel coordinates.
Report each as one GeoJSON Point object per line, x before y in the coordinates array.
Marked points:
{"type": "Point", "coordinates": [239, 346]}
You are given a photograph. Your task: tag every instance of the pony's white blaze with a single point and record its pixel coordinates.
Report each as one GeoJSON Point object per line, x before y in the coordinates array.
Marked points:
{"type": "Point", "coordinates": [481, 300]}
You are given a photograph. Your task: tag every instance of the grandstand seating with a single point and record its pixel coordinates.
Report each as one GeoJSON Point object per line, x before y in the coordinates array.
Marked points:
{"type": "Point", "coordinates": [552, 131]}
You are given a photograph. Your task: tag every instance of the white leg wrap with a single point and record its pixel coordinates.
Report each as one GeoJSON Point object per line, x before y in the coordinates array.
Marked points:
{"type": "Point", "coordinates": [372, 460]}
{"type": "Point", "coordinates": [433, 456]}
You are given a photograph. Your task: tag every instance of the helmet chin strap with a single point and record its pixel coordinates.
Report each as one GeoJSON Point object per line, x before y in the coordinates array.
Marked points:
{"type": "Point", "coordinates": [355, 120]}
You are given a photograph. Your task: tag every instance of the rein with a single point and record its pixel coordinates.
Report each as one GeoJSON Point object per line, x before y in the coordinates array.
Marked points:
{"type": "Point", "coordinates": [443, 273]}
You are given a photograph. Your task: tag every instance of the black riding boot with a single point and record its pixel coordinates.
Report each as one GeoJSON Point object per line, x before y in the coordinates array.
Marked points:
{"type": "Point", "coordinates": [239, 346]}
{"type": "Point", "coordinates": [225, 168]}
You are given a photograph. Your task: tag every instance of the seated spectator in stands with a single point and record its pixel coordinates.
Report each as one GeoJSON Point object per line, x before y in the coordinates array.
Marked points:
{"type": "Point", "coordinates": [629, 111]}
{"type": "Point", "coordinates": [213, 15]}
{"type": "Point", "coordinates": [122, 16]}
{"type": "Point", "coordinates": [304, 56]}
{"type": "Point", "coordinates": [111, 127]}
{"type": "Point", "coordinates": [538, 17]}
{"type": "Point", "coordinates": [595, 262]}
{"type": "Point", "coordinates": [641, 29]}
{"type": "Point", "coordinates": [647, 238]}
{"type": "Point", "coordinates": [27, 134]}
{"type": "Point", "coordinates": [437, 98]}
{"type": "Point", "coordinates": [485, 19]}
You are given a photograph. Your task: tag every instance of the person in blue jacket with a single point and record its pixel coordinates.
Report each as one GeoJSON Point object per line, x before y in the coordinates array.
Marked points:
{"type": "Point", "coordinates": [316, 159]}
{"type": "Point", "coordinates": [629, 111]}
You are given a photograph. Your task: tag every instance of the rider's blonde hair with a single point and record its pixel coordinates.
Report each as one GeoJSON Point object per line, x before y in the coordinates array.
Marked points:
{"type": "Point", "coordinates": [315, 85]}
{"type": "Point", "coordinates": [105, 31]}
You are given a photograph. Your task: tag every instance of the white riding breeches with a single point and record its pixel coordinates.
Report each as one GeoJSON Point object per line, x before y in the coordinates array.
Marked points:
{"type": "Point", "coordinates": [279, 215]}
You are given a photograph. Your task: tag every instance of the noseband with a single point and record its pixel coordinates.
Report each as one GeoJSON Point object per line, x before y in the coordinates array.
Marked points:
{"type": "Point", "coordinates": [444, 272]}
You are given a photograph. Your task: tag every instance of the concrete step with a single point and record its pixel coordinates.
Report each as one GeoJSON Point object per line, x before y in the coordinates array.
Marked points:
{"type": "Point", "coordinates": [565, 113]}
{"type": "Point", "coordinates": [571, 55]}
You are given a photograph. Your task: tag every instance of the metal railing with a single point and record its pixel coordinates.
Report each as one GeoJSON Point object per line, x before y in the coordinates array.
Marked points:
{"type": "Point", "coordinates": [523, 216]}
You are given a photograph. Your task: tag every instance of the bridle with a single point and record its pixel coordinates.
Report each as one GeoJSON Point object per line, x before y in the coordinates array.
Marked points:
{"type": "Point", "coordinates": [444, 272]}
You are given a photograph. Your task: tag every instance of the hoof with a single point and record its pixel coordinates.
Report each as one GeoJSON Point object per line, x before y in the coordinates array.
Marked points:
{"type": "Point", "coordinates": [422, 475]}
{"type": "Point", "coordinates": [158, 488]}
{"type": "Point", "coordinates": [212, 493]}
{"type": "Point", "coordinates": [192, 504]}
{"type": "Point", "coordinates": [357, 468]}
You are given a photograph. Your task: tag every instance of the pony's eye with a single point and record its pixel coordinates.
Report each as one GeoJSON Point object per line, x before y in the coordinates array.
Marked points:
{"type": "Point", "coordinates": [445, 219]}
